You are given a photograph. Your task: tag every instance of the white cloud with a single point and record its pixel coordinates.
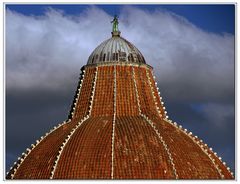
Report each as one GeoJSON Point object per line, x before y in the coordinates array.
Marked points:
{"type": "Point", "coordinates": [48, 51]}
{"type": "Point", "coordinates": [186, 59]}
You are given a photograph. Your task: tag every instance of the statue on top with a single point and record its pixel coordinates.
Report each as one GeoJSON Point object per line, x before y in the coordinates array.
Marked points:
{"type": "Point", "coordinates": [115, 24]}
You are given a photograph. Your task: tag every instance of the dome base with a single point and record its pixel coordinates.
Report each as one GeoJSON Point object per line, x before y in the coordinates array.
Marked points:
{"type": "Point", "coordinates": [116, 33]}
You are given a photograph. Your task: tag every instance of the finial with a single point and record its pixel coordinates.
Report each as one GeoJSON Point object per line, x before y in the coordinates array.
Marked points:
{"type": "Point", "coordinates": [115, 31]}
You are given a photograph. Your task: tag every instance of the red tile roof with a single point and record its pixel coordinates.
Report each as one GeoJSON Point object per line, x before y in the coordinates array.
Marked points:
{"type": "Point", "coordinates": [118, 129]}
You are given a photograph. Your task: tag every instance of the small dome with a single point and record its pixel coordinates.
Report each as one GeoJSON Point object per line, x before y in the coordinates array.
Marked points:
{"type": "Point", "coordinates": [116, 49]}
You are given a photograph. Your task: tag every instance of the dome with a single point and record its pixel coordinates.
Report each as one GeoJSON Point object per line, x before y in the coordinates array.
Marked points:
{"type": "Point", "coordinates": [116, 49]}
{"type": "Point", "coordinates": [118, 128]}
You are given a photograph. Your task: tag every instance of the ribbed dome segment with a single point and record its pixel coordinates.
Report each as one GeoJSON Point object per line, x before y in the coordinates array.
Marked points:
{"type": "Point", "coordinates": [116, 49]}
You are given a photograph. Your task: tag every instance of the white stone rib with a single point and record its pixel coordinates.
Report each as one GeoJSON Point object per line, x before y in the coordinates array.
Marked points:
{"type": "Point", "coordinates": [200, 144]}
{"type": "Point", "coordinates": [164, 145]}
{"type": "Point", "coordinates": [154, 128]}
{"type": "Point", "coordinates": [161, 101]}
{"type": "Point", "coordinates": [93, 91]}
{"type": "Point", "coordinates": [114, 120]}
{"type": "Point", "coordinates": [78, 94]}
{"type": "Point", "coordinates": [135, 85]}
{"type": "Point", "coordinates": [75, 128]}
{"type": "Point", "coordinates": [153, 95]}
{"type": "Point", "coordinates": [29, 150]}
{"type": "Point", "coordinates": [64, 144]}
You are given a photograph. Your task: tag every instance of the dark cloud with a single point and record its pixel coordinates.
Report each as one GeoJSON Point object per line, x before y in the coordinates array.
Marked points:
{"type": "Point", "coordinates": [30, 114]}
{"type": "Point", "coordinates": [194, 70]}
{"type": "Point", "coordinates": [213, 123]}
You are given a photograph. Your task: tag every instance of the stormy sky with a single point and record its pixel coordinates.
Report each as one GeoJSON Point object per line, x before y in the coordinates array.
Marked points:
{"type": "Point", "coordinates": [192, 53]}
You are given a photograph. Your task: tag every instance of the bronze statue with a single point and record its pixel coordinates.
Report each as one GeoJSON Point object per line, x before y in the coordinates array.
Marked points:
{"type": "Point", "coordinates": [115, 24]}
